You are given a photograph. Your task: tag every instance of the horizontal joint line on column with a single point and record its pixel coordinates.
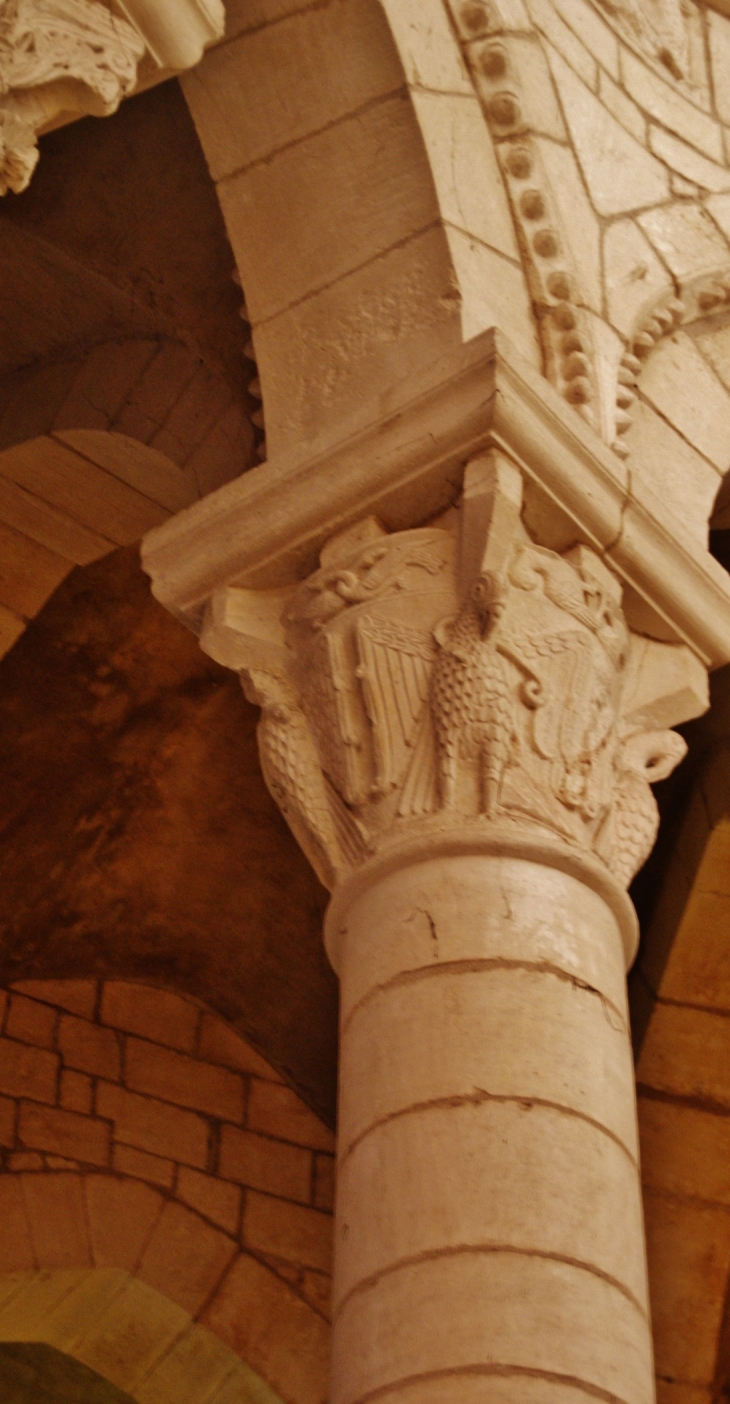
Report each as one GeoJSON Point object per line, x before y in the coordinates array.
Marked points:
{"type": "Point", "coordinates": [430, 1255]}
{"type": "Point", "coordinates": [475, 1099]}
{"type": "Point", "coordinates": [486, 965]}
{"type": "Point", "coordinates": [490, 1371]}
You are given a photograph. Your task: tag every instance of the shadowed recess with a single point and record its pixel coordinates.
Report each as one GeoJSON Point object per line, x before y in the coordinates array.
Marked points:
{"type": "Point", "coordinates": [40, 1374]}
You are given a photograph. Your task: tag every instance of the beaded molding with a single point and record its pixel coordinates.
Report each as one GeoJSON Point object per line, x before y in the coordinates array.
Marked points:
{"type": "Point", "coordinates": [702, 297]}
{"type": "Point", "coordinates": [565, 333]}
{"type": "Point", "coordinates": [253, 386]}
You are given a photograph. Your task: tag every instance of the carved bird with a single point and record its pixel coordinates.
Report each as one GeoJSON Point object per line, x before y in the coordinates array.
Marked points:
{"type": "Point", "coordinates": [320, 822]}
{"type": "Point", "coordinates": [470, 695]}
{"type": "Point", "coordinates": [643, 758]}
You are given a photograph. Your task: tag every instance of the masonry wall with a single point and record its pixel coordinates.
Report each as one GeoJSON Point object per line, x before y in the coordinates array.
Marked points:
{"type": "Point", "coordinates": [139, 1132]}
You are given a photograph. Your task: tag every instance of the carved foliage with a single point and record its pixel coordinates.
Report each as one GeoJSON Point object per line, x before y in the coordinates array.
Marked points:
{"type": "Point", "coordinates": [415, 696]}
{"type": "Point", "coordinates": [56, 55]}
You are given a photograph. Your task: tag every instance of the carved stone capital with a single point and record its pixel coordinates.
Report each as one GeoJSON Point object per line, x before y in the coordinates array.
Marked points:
{"type": "Point", "coordinates": [459, 678]}
{"type": "Point", "coordinates": [75, 56]}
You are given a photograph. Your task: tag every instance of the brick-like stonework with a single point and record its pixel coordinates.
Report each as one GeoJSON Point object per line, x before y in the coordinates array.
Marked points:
{"type": "Point", "coordinates": [138, 1131]}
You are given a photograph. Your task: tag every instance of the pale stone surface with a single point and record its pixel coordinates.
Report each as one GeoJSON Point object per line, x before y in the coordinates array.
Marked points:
{"type": "Point", "coordinates": [670, 108]}
{"type": "Point", "coordinates": [633, 274]}
{"type": "Point", "coordinates": [595, 34]}
{"type": "Point", "coordinates": [309, 81]}
{"type": "Point", "coordinates": [715, 347]}
{"type": "Point", "coordinates": [665, 462]}
{"type": "Point", "coordinates": [427, 46]}
{"type": "Point", "coordinates": [687, 239]}
{"type": "Point", "coordinates": [495, 1173]}
{"type": "Point", "coordinates": [548, 21]}
{"type": "Point", "coordinates": [623, 108]}
{"type": "Point", "coordinates": [459, 145]}
{"type": "Point", "coordinates": [678, 382]}
{"type": "Point", "coordinates": [493, 291]}
{"type": "Point", "coordinates": [346, 203]}
{"type": "Point", "coordinates": [582, 230]}
{"type": "Point", "coordinates": [608, 348]}
{"type": "Point", "coordinates": [620, 174]}
{"type": "Point", "coordinates": [687, 161]}
{"type": "Point", "coordinates": [719, 208]}
{"type": "Point", "coordinates": [533, 1314]}
{"type": "Point", "coordinates": [719, 34]}
{"type": "Point", "coordinates": [537, 93]}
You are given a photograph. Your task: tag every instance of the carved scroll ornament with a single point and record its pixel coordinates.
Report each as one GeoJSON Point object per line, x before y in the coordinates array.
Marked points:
{"type": "Point", "coordinates": [433, 678]}
{"type": "Point", "coordinates": [66, 56]}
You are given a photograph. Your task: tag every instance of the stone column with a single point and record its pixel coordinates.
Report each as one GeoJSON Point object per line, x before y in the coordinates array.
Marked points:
{"type": "Point", "coordinates": [456, 727]}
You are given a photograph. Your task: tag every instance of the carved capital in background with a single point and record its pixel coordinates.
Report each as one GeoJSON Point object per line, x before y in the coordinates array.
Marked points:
{"type": "Point", "coordinates": [458, 675]}
{"type": "Point", "coordinates": [75, 56]}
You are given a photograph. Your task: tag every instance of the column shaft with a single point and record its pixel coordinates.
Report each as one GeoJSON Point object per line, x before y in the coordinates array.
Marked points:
{"type": "Point", "coordinates": [489, 1242]}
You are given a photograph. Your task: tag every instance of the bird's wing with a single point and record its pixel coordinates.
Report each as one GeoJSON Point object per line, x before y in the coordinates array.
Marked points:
{"type": "Point", "coordinates": [395, 662]}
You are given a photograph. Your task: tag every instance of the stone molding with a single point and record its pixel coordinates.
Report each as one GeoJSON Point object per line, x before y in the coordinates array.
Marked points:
{"type": "Point", "coordinates": [61, 56]}
{"type": "Point", "coordinates": [403, 458]}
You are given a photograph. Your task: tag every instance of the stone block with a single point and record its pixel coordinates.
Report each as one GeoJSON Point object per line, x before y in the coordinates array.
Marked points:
{"type": "Point", "coordinates": [324, 1182]}
{"type": "Point", "coordinates": [687, 161]}
{"type": "Point", "coordinates": [187, 1082]}
{"type": "Point", "coordinates": [200, 405]}
{"type": "Point", "coordinates": [270, 1327]}
{"type": "Point", "coordinates": [158, 1015]}
{"type": "Point", "coordinates": [264, 1164]}
{"type": "Point", "coordinates": [16, 1248]}
{"type": "Point", "coordinates": [124, 1342]}
{"type": "Point", "coordinates": [621, 107]}
{"type": "Point", "coordinates": [101, 386]}
{"type": "Point", "coordinates": [25, 1160]}
{"type": "Point", "coordinates": [718, 27]}
{"type": "Point", "coordinates": [320, 361]}
{"type": "Point", "coordinates": [538, 103]}
{"type": "Point", "coordinates": [293, 1232]}
{"type": "Point", "coordinates": [470, 1309]}
{"type": "Point", "coordinates": [75, 996]}
{"type": "Point", "coordinates": [219, 1043]}
{"type": "Point", "coordinates": [26, 1071]}
{"type": "Point", "coordinates": [684, 1151]}
{"type": "Point", "coordinates": [211, 1197]}
{"type": "Point", "coordinates": [278, 1111]}
{"type": "Point", "coordinates": [579, 225]}
{"type": "Point", "coordinates": [57, 1217]}
{"type": "Point", "coordinates": [598, 38]}
{"type": "Point", "coordinates": [663, 461]}
{"type": "Point", "coordinates": [452, 1178]}
{"type": "Point", "coordinates": [469, 1389]}
{"type": "Point", "coordinates": [347, 204]}
{"type": "Point", "coordinates": [686, 1052]}
{"type": "Point", "coordinates": [473, 931]}
{"type": "Point", "coordinates": [688, 1251]}
{"type": "Point", "coordinates": [151, 1125]}
{"type": "Point", "coordinates": [426, 45]}
{"type": "Point", "coordinates": [679, 384]}
{"type": "Point", "coordinates": [121, 1215]}
{"type": "Point", "coordinates": [199, 1365]}
{"type": "Point", "coordinates": [548, 22]}
{"type": "Point", "coordinates": [619, 173]}
{"type": "Point", "coordinates": [7, 1121]}
{"type": "Point", "coordinates": [714, 345]}
{"type": "Point", "coordinates": [30, 1022]}
{"type": "Point", "coordinates": [185, 1258]}
{"type": "Point", "coordinates": [89, 1048]}
{"type": "Point", "coordinates": [670, 108]}
{"type": "Point", "coordinates": [464, 168]}
{"type": "Point", "coordinates": [153, 1168]}
{"type": "Point", "coordinates": [29, 573]}
{"type": "Point", "coordinates": [225, 451]}
{"type": "Point", "coordinates": [312, 81]}
{"type": "Point", "coordinates": [634, 276]}
{"type": "Point", "coordinates": [493, 1033]}
{"type": "Point", "coordinates": [493, 292]}
{"type": "Point", "coordinates": [84, 1138]}
{"type": "Point", "coordinates": [686, 238]}
{"type": "Point", "coordinates": [76, 1092]}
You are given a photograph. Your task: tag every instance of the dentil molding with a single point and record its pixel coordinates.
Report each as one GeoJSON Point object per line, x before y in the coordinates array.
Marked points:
{"type": "Point", "coordinates": [78, 56]}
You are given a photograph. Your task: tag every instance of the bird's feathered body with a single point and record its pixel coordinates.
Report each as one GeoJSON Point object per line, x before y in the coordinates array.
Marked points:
{"type": "Point", "coordinates": [320, 822]}
{"type": "Point", "coordinates": [471, 701]}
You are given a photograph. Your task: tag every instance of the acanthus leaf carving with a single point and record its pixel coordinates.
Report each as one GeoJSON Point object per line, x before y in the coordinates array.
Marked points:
{"type": "Point", "coordinates": [417, 692]}
{"type": "Point", "coordinates": [57, 55]}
